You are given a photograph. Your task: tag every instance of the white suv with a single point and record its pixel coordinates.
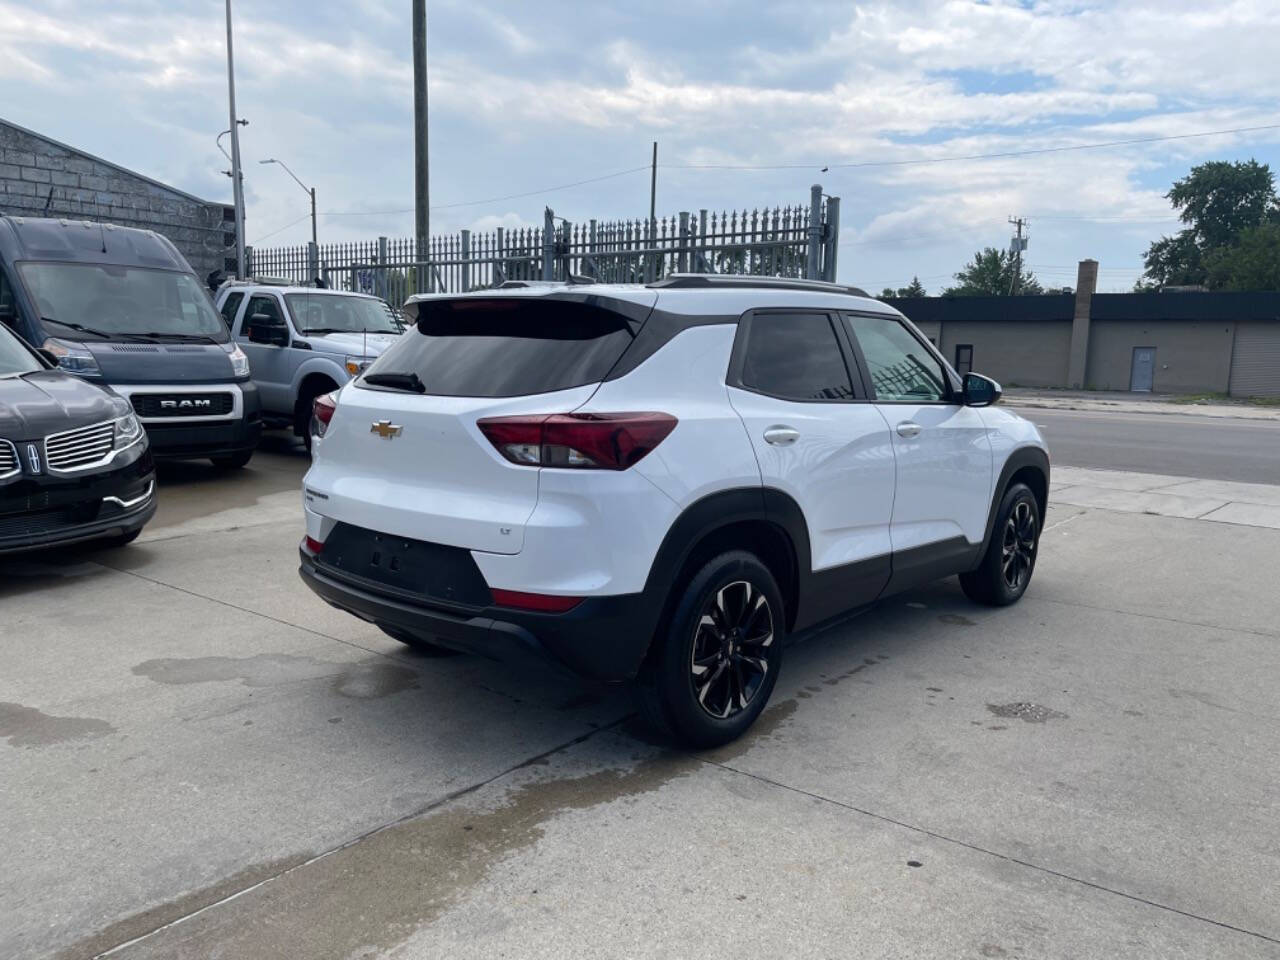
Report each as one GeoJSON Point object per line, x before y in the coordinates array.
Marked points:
{"type": "Point", "coordinates": [661, 483]}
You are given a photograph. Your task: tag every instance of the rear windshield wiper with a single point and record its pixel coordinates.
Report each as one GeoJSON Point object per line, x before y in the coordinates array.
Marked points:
{"type": "Point", "coordinates": [396, 381]}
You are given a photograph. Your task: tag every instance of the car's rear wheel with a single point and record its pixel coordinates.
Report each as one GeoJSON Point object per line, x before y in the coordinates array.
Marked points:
{"type": "Point", "coordinates": [717, 657]}
{"type": "Point", "coordinates": [424, 647]}
{"type": "Point", "coordinates": [1006, 568]}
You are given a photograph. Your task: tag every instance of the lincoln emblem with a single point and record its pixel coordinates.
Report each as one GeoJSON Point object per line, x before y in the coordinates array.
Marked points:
{"type": "Point", "coordinates": [386, 429]}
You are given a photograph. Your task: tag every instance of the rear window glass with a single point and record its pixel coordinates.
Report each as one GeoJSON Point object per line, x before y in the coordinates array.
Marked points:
{"type": "Point", "coordinates": [795, 357]}
{"type": "Point", "coordinates": [507, 348]}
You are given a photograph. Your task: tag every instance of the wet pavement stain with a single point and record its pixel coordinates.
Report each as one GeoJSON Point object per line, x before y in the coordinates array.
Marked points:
{"type": "Point", "coordinates": [29, 727]}
{"type": "Point", "coordinates": [366, 898]}
{"type": "Point", "coordinates": [1026, 712]}
{"type": "Point", "coordinates": [148, 920]}
{"type": "Point", "coordinates": [956, 620]}
{"type": "Point", "coordinates": [360, 681]}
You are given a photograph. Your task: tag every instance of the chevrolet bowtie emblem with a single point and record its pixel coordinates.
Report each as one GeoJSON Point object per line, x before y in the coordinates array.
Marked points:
{"type": "Point", "coordinates": [386, 429]}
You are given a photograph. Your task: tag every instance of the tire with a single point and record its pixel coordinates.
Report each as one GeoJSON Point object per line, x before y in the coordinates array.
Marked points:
{"type": "Point", "coordinates": [704, 685]}
{"type": "Point", "coordinates": [424, 647]}
{"type": "Point", "coordinates": [233, 462]}
{"type": "Point", "coordinates": [1006, 568]}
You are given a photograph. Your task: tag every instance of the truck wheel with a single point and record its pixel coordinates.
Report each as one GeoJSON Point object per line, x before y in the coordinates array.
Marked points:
{"type": "Point", "coordinates": [1006, 568]}
{"type": "Point", "coordinates": [718, 655]}
{"type": "Point", "coordinates": [233, 462]}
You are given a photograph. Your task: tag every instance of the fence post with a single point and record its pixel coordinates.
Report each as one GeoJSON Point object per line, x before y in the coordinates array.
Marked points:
{"type": "Point", "coordinates": [248, 261]}
{"type": "Point", "coordinates": [815, 232]}
{"type": "Point", "coordinates": [499, 265]}
{"type": "Point", "coordinates": [466, 261]}
{"type": "Point", "coordinates": [313, 260]}
{"type": "Point", "coordinates": [382, 285]}
{"type": "Point", "coordinates": [832, 229]}
{"type": "Point", "coordinates": [682, 259]}
{"type": "Point", "coordinates": [548, 244]}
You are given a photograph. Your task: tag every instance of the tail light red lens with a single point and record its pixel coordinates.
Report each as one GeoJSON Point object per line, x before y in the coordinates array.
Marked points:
{"type": "Point", "coordinates": [313, 546]}
{"type": "Point", "coordinates": [539, 602]}
{"type": "Point", "coordinates": [322, 410]}
{"type": "Point", "coordinates": [585, 441]}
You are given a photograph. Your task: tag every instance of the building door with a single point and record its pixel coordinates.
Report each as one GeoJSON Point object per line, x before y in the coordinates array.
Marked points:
{"type": "Point", "coordinates": [964, 358]}
{"type": "Point", "coordinates": [1255, 360]}
{"type": "Point", "coordinates": [1143, 375]}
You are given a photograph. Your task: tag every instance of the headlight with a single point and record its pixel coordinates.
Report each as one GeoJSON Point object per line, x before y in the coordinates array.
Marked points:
{"type": "Point", "coordinates": [128, 432]}
{"type": "Point", "coordinates": [73, 357]}
{"type": "Point", "coordinates": [358, 365]}
{"type": "Point", "coordinates": [239, 364]}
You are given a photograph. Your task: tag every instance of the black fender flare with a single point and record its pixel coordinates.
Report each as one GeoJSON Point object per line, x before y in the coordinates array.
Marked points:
{"type": "Point", "coordinates": [1019, 459]}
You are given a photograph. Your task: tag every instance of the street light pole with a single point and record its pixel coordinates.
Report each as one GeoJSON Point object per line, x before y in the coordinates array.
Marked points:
{"type": "Point", "coordinates": [311, 191]}
{"type": "Point", "coordinates": [237, 177]}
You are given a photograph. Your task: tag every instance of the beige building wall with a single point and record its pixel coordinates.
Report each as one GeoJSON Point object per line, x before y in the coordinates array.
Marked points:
{"type": "Point", "coordinates": [1191, 356]}
{"type": "Point", "coordinates": [1026, 353]}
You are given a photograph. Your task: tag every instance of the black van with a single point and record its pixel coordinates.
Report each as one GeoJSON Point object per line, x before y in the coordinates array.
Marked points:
{"type": "Point", "coordinates": [122, 307]}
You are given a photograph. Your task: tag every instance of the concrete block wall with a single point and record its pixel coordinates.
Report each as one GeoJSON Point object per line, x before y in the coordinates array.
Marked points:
{"type": "Point", "coordinates": [40, 177]}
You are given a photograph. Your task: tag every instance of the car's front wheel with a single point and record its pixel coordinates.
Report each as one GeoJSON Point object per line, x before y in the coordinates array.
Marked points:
{"type": "Point", "coordinates": [718, 655]}
{"type": "Point", "coordinates": [1006, 568]}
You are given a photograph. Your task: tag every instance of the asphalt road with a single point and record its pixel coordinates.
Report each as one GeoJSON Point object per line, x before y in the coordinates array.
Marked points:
{"type": "Point", "coordinates": [1246, 451]}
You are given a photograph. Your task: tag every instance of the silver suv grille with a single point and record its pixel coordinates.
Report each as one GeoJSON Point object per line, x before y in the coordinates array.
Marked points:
{"type": "Point", "coordinates": [79, 448]}
{"type": "Point", "coordinates": [8, 459]}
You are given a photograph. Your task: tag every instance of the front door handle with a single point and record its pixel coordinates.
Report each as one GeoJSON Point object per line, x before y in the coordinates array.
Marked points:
{"type": "Point", "coordinates": [908, 429]}
{"type": "Point", "coordinates": [781, 436]}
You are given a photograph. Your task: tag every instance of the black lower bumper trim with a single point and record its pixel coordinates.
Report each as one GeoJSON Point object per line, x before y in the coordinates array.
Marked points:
{"type": "Point", "coordinates": [112, 524]}
{"type": "Point", "coordinates": [603, 638]}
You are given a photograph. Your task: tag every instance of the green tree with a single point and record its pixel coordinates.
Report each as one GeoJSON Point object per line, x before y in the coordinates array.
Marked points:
{"type": "Point", "coordinates": [992, 273]}
{"type": "Point", "coordinates": [1219, 202]}
{"type": "Point", "coordinates": [1253, 263]}
{"type": "Point", "coordinates": [914, 289]}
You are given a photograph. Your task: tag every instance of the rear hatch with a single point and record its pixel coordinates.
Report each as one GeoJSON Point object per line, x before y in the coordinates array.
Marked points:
{"type": "Point", "coordinates": [414, 464]}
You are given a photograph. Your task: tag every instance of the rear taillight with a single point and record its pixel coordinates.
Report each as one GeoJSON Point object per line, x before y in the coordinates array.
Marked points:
{"type": "Point", "coordinates": [590, 441]}
{"type": "Point", "coordinates": [312, 546]}
{"type": "Point", "coordinates": [322, 410]}
{"type": "Point", "coordinates": [538, 602]}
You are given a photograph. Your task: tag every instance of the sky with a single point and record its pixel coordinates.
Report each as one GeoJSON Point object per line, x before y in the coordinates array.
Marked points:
{"type": "Point", "coordinates": [526, 96]}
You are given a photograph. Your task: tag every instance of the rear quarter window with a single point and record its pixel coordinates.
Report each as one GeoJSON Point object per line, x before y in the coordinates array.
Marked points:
{"type": "Point", "coordinates": [507, 347]}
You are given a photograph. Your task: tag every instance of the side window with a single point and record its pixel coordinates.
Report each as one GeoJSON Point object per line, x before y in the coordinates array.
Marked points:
{"type": "Point", "coordinates": [794, 357]}
{"type": "Point", "coordinates": [269, 306]}
{"type": "Point", "coordinates": [230, 307]}
{"type": "Point", "coordinates": [8, 306]}
{"type": "Point", "coordinates": [900, 366]}
{"type": "Point", "coordinates": [964, 358]}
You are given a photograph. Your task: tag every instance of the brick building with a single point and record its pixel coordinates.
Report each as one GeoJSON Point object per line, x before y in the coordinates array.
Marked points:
{"type": "Point", "coordinates": [40, 177]}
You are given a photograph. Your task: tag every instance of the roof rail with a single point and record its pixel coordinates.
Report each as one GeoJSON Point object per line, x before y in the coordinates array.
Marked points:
{"type": "Point", "coordinates": [688, 281]}
{"type": "Point", "coordinates": [266, 282]}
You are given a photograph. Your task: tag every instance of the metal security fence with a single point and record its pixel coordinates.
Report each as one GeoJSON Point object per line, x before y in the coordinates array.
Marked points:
{"type": "Point", "coordinates": [797, 241]}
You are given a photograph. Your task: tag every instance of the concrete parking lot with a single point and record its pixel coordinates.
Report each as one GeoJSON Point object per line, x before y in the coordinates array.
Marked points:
{"type": "Point", "coordinates": [198, 758]}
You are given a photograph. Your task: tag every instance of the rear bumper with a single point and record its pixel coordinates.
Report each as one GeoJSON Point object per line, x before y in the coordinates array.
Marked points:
{"type": "Point", "coordinates": [603, 638]}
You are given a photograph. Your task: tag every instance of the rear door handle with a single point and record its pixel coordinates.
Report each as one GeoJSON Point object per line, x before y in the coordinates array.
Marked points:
{"type": "Point", "coordinates": [908, 429]}
{"type": "Point", "coordinates": [781, 436]}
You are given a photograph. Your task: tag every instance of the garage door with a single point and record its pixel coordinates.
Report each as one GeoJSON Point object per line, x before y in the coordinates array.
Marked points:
{"type": "Point", "coordinates": [1255, 360]}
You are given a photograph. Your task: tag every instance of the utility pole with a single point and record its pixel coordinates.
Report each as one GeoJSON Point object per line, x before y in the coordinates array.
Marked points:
{"type": "Point", "coordinates": [311, 191]}
{"type": "Point", "coordinates": [653, 186]}
{"type": "Point", "coordinates": [1016, 246]}
{"type": "Point", "coordinates": [421, 166]}
{"type": "Point", "coordinates": [237, 178]}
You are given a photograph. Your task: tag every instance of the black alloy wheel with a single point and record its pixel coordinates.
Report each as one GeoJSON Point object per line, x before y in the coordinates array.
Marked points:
{"type": "Point", "coordinates": [1018, 546]}
{"type": "Point", "coordinates": [729, 660]}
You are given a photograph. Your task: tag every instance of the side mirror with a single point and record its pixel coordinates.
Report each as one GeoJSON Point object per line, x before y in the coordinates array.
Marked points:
{"type": "Point", "coordinates": [266, 329]}
{"type": "Point", "coordinates": [980, 391]}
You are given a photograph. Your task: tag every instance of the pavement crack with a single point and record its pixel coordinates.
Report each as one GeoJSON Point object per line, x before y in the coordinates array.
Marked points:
{"type": "Point", "coordinates": [1155, 616]}
{"type": "Point", "coordinates": [986, 851]}
{"type": "Point", "coordinates": [255, 613]}
{"type": "Point", "coordinates": [290, 867]}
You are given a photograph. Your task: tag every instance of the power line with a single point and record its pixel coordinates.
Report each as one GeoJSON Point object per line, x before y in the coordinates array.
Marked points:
{"type": "Point", "coordinates": [972, 156]}
{"type": "Point", "coordinates": [477, 203]}
{"type": "Point", "coordinates": [284, 228]}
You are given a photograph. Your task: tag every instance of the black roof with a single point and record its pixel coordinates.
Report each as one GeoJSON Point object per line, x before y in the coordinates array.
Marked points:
{"type": "Point", "coordinates": [1211, 306]}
